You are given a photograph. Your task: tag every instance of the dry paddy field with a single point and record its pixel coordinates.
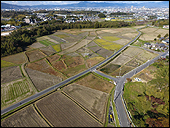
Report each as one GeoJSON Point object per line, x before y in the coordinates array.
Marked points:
{"type": "Point", "coordinates": [93, 100]}
{"type": "Point", "coordinates": [26, 117]}
{"type": "Point", "coordinates": [129, 59]}
{"type": "Point", "coordinates": [95, 82]}
{"type": "Point", "coordinates": [42, 80]}
{"type": "Point", "coordinates": [37, 45]}
{"type": "Point", "coordinates": [48, 50]}
{"type": "Point", "coordinates": [92, 61]}
{"type": "Point", "coordinates": [16, 58]}
{"type": "Point", "coordinates": [152, 33]}
{"type": "Point", "coordinates": [34, 55]}
{"type": "Point", "coordinates": [10, 74]}
{"type": "Point", "coordinates": [60, 111]}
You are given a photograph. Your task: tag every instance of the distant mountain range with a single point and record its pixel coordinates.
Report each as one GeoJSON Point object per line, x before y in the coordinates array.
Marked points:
{"type": "Point", "coordinates": [88, 4]}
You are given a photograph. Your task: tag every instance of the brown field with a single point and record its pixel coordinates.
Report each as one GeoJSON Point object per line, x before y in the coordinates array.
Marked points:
{"type": "Point", "coordinates": [85, 52]}
{"type": "Point", "coordinates": [124, 70]}
{"type": "Point", "coordinates": [94, 60]}
{"type": "Point", "coordinates": [10, 74]}
{"type": "Point", "coordinates": [16, 58]}
{"type": "Point", "coordinates": [26, 117]}
{"type": "Point", "coordinates": [73, 61]}
{"type": "Point", "coordinates": [101, 51]}
{"type": "Point", "coordinates": [93, 100]}
{"type": "Point", "coordinates": [95, 82]}
{"type": "Point", "coordinates": [60, 111]}
{"type": "Point", "coordinates": [37, 45]}
{"type": "Point", "coordinates": [52, 58]}
{"type": "Point", "coordinates": [42, 80]}
{"type": "Point", "coordinates": [133, 51]}
{"type": "Point", "coordinates": [34, 55]}
{"type": "Point", "coordinates": [43, 66]}
{"type": "Point", "coordinates": [59, 65]}
{"type": "Point", "coordinates": [48, 50]}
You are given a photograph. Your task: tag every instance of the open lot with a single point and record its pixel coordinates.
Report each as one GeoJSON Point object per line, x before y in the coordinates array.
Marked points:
{"type": "Point", "coordinates": [93, 100]}
{"type": "Point", "coordinates": [60, 111]}
{"type": "Point", "coordinates": [95, 82]}
{"type": "Point", "coordinates": [26, 117]}
{"type": "Point", "coordinates": [34, 55]}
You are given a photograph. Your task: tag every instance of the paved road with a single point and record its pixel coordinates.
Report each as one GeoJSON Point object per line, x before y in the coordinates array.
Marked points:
{"type": "Point", "coordinates": [67, 80]}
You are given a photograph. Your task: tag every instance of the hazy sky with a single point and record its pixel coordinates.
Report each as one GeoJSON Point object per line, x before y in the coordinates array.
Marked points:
{"type": "Point", "coordinates": [65, 2]}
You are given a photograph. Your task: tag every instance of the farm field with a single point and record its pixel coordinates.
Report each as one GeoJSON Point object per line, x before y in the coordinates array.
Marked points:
{"type": "Point", "coordinates": [110, 38]}
{"type": "Point", "coordinates": [34, 55]}
{"type": "Point", "coordinates": [152, 33]}
{"type": "Point", "coordinates": [18, 58]}
{"type": "Point", "coordinates": [10, 74]}
{"type": "Point", "coordinates": [129, 59]}
{"type": "Point", "coordinates": [14, 91]}
{"type": "Point", "coordinates": [52, 58]}
{"type": "Point", "coordinates": [94, 60]}
{"type": "Point", "coordinates": [50, 50]}
{"type": "Point", "coordinates": [108, 45]}
{"type": "Point", "coordinates": [46, 42]}
{"type": "Point", "coordinates": [93, 100]}
{"type": "Point", "coordinates": [95, 82]}
{"type": "Point", "coordinates": [60, 111]}
{"type": "Point", "coordinates": [26, 117]}
{"type": "Point", "coordinates": [36, 45]}
{"type": "Point", "coordinates": [67, 45]}
{"type": "Point", "coordinates": [43, 66]}
{"type": "Point", "coordinates": [6, 64]}
{"type": "Point", "coordinates": [76, 47]}
{"type": "Point", "coordinates": [42, 80]}
{"type": "Point", "coordinates": [101, 51]}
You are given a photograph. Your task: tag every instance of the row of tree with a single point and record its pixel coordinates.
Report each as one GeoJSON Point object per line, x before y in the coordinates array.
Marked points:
{"type": "Point", "coordinates": [18, 40]}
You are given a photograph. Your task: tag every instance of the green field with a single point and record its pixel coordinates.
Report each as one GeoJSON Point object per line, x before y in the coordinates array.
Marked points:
{"type": "Point", "coordinates": [47, 42]}
{"type": "Point", "coordinates": [6, 64]}
{"type": "Point", "coordinates": [111, 38]}
{"type": "Point", "coordinates": [9, 93]}
{"type": "Point", "coordinates": [57, 47]}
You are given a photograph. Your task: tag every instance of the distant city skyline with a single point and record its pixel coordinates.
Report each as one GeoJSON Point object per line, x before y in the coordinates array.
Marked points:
{"type": "Point", "coordinates": [30, 3]}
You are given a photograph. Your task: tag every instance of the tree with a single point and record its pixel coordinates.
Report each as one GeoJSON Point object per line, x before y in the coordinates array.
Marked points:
{"type": "Point", "coordinates": [101, 15]}
{"type": "Point", "coordinates": [166, 35]}
{"type": "Point", "coordinates": [159, 36]}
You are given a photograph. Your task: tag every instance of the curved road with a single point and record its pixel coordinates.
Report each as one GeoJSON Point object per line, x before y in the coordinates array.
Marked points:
{"type": "Point", "coordinates": [67, 80]}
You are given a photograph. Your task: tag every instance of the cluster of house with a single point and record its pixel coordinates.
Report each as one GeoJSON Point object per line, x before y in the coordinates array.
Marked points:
{"type": "Point", "coordinates": [157, 46]}
{"type": "Point", "coordinates": [166, 26]}
{"type": "Point", "coordinates": [8, 27]}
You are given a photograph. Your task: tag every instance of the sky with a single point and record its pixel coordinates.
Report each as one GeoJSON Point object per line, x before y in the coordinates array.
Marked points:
{"type": "Point", "coordinates": [65, 2]}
